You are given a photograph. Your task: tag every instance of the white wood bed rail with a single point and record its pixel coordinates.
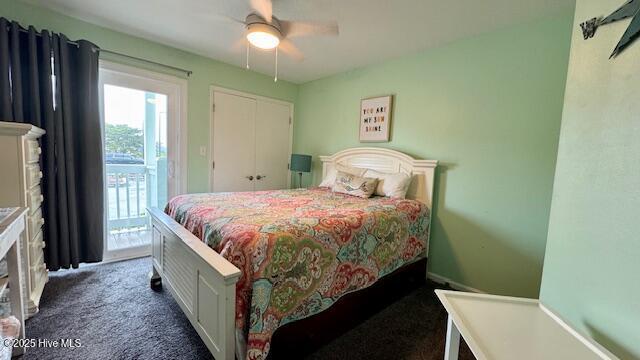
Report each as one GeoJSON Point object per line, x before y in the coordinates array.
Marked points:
{"type": "Point", "coordinates": [201, 281]}
{"type": "Point", "coordinates": [204, 283]}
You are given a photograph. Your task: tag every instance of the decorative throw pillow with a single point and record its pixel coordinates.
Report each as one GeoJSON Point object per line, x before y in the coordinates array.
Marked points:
{"type": "Point", "coordinates": [330, 179]}
{"type": "Point", "coordinates": [354, 185]}
{"type": "Point", "coordinates": [390, 185]}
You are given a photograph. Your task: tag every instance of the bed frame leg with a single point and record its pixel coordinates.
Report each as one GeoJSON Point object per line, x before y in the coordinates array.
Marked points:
{"type": "Point", "coordinates": [155, 281]}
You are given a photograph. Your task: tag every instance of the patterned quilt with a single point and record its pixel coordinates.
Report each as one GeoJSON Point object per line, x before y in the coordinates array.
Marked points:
{"type": "Point", "coordinates": [301, 250]}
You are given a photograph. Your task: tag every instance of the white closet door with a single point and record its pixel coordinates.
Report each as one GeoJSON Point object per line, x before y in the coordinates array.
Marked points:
{"type": "Point", "coordinates": [234, 151]}
{"type": "Point", "coordinates": [272, 145]}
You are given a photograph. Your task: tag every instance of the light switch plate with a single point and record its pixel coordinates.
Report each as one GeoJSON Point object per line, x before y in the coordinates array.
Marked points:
{"type": "Point", "coordinates": [203, 151]}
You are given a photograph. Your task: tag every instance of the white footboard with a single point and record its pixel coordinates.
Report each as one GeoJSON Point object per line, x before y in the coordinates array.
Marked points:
{"type": "Point", "coordinates": [200, 280]}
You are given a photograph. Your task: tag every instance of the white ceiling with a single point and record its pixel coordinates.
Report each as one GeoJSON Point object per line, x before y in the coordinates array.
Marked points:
{"type": "Point", "coordinates": [370, 30]}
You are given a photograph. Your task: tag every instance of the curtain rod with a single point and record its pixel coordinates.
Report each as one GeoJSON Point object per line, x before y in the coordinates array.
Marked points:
{"type": "Point", "coordinates": [75, 43]}
{"type": "Point", "coordinates": [188, 72]}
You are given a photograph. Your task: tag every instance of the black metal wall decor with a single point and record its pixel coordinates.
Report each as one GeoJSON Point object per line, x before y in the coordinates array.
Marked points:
{"type": "Point", "coordinates": [630, 9]}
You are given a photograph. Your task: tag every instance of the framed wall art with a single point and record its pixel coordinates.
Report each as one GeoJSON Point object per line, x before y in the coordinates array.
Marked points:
{"type": "Point", "coordinates": [375, 119]}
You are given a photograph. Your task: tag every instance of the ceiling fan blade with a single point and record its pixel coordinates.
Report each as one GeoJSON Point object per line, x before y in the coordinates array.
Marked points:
{"type": "Point", "coordinates": [263, 8]}
{"type": "Point", "coordinates": [302, 28]}
{"type": "Point", "coordinates": [232, 19]}
{"type": "Point", "coordinates": [291, 50]}
{"type": "Point", "coordinates": [220, 18]}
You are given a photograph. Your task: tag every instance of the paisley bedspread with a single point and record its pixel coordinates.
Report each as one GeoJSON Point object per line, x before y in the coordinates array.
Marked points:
{"type": "Point", "coordinates": [301, 250]}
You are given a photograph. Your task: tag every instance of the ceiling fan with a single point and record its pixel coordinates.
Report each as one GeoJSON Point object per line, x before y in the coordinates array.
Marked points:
{"type": "Point", "coordinates": [265, 31]}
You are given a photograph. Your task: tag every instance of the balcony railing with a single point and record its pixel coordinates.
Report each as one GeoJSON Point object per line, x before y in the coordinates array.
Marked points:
{"type": "Point", "coordinates": [129, 191]}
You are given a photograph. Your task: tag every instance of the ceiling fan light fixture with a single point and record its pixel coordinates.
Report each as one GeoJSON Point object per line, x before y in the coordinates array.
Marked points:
{"type": "Point", "coordinates": [263, 40]}
{"type": "Point", "coordinates": [263, 36]}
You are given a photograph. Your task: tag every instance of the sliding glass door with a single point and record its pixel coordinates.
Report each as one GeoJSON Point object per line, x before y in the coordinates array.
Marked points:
{"type": "Point", "coordinates": [141, 120]}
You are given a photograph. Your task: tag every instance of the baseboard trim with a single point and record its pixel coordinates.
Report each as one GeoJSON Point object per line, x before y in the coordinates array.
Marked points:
{"type": "Point", "coordinates": [118, 259]}
{"type": "Point", "coordinates": [453, 284]}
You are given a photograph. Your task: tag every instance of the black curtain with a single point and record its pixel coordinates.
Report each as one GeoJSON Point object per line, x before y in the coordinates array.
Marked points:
{"type": "Point", "coordinates": [51, 82]}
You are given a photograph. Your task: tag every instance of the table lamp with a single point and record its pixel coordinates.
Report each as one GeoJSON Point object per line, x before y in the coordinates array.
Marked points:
{"type": "Point", "coordinates": [300, 163]}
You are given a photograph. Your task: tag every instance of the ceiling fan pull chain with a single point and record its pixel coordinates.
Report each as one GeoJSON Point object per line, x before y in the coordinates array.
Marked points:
{"type": "Point", "coordinates": [247, 55]}
{"type": "Point", "coordinates": [276, 78]}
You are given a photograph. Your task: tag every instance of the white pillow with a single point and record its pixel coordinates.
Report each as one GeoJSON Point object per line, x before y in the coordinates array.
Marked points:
{"type": "Point", "coordinates": [390, 185]}
{"type": "Point", "coordinates": [330, 179]}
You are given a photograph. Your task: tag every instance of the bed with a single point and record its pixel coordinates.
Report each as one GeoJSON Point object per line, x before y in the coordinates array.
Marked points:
{"type": "Point", "coordinates": [242, 265]}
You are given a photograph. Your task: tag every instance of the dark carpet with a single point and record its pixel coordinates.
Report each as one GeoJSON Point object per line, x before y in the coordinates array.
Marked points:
{"type": "Point", "coordinates": [115, 315]}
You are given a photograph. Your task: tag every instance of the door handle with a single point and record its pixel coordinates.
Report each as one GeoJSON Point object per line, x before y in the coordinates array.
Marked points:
{"type": "Point", "coordinates": [250, 177]}
{"type": "Point", "coordinates": [261, 177]}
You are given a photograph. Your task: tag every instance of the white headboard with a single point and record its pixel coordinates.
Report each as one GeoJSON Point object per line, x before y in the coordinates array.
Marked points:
{"type": "Point", "coordinates": [389, 161]}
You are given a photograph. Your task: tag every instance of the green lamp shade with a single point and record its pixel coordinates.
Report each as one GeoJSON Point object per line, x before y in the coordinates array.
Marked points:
{"type": "Point", "coordinates": [300, 163]}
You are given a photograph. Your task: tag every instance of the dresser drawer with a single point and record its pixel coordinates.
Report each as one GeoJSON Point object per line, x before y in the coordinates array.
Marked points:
{"type": "Point", "coordinates": [35, 247]}
{"type": "Point", "coordinates": [35, 221]}
{"type": "Point", "coordinates": [33, 151]}
{"type": "Point", "coordinates": [38, 266]}
{"type": "Point", "coordinates": [33, 175]}
{"type": "Point", "coordinates": [34, 199]}
{"type": "Point", "coordinates": [32, 280]}
{"type": "Point", "coordinates": [41, 277]}
{"type": "Point", "coordinates": [33, 266]}
{"type": "Point", "coordinates": [35, 274]}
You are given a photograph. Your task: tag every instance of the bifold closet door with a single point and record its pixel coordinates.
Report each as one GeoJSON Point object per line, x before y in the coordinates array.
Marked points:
{"type": "Point", "coordinates": [234, 147]}
{"type": "Point", "coordinates": [272, 145]}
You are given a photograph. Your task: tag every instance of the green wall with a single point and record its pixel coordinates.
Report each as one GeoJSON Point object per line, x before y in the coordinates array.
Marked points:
{"type": "Point", "coordinates": [592, 264]}
{"type": "Point", "coordinates": [206, 72]}
{"type": "Point", "coordinates": [489, 109]}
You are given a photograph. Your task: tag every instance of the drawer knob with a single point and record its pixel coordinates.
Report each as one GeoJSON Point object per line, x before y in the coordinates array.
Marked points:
{"type": "Point", "coordinates": [41, 197]}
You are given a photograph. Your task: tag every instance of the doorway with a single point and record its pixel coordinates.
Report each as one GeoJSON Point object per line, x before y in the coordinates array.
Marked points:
{"type": "Point", "coordinates": [142, 115]}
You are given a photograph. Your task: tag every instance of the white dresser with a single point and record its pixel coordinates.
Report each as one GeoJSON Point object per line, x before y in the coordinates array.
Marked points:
{"type": "Point", "coordinates": [20, 177]}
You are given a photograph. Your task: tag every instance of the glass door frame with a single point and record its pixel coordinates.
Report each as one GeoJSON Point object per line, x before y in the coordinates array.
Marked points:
{"type": "Point", "coordinates": [176, 91]}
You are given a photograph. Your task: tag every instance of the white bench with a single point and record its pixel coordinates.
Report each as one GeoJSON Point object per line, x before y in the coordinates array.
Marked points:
{"type": "Point", "coordinates": [502, 327]}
